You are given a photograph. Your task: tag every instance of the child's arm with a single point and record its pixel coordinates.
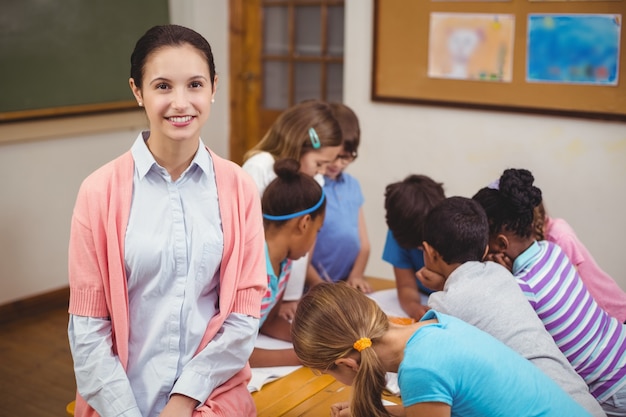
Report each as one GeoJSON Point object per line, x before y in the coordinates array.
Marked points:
{"type": "Point", "coordinates": [356, 278]}
{"type": "Point", "coordinates": [313, 277]}
{"type": "Point", "coordinates": [263, 358]}
{"type": "Point", "coordinates": [433, 409]}
{"type": "Point", "coordinates": [408, 294]}
{"type": "Point", "coordinates": [276, 326]}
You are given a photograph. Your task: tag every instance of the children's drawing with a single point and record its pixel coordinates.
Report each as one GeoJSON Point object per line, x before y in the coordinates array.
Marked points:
{"type": "Point", "coordinates": [573, 48]}
{"type": "Point", "coordinates": [469, 46]}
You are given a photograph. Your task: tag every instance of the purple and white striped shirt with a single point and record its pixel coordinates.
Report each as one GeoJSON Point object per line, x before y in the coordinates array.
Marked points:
{"type": "Point", "coordinates": [593, 341]}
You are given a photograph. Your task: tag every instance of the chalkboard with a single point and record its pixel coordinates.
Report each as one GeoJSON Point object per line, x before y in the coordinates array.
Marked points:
{"type": "Point", "coordinates": [70, 56]}
{"type": "Point", "coordinates": [405, 52]}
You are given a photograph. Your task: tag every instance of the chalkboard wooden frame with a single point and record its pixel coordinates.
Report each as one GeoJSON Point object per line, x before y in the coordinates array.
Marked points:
{"type": "Point", "coordinates": [69, 57]}
{"type": "Point", "coordinates": [400, 62]}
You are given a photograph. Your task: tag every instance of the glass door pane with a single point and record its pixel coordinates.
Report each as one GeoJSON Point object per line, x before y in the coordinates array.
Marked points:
{"type": "Point", "coordinates": [275, 85]}
{"type": "Point", "coordinates": [275, 31]}
{"type": "Point", "coordinates": [307, 81]}
{"type": "Point", "coordinates": [335, 31]}
{"type": "Point", "coordinates": [308, 31]}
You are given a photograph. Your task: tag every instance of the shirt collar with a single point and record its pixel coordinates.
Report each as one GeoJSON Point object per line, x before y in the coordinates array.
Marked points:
{"type": "Point", "coordinates": [144, 160]}
{"type": "Point", "coordinates": [340, 178]}
{"type": "Point", "coordinates": [525, 257]}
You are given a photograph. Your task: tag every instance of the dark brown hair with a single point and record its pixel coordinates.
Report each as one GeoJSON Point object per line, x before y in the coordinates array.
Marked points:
{"type": "Point", "coordinates": [167, 35]}
{"type": "Point", "coordinates": [512, 204]}
{"type": "Point", "coordinates": [350, 129]}
{"type": "Point", "coordinates": [457, 228]}
{"type": "Point", "coordinates": [290, 192]}
{"type": "Point", "coordinates": [407, 203]}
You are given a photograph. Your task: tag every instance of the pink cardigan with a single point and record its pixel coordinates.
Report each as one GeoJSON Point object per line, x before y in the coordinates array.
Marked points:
{"type": "Point", "coordinates": [97, 275]}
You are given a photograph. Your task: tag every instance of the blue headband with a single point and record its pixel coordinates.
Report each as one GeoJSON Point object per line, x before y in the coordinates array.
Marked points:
{"type": "Point", "coordinates": [298, 214]}
{"type": "Point", "coordinates": [315, 140]}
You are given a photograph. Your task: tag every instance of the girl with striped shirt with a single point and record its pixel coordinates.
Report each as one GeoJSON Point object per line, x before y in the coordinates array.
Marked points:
{"type": "Point", "coordinates": [593, 341]}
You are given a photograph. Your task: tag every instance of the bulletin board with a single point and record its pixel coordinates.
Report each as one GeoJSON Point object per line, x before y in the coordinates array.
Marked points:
{"type": "Point", "coordinates": [515, 55]}
{"type": "Point", "coordinates": [60, 57]}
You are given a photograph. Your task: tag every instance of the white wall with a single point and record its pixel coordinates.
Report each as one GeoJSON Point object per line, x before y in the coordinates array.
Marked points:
{"type": "Point", "coordinates": [579, 164]}
{"type": "Point", "coordinates": [41, 176]}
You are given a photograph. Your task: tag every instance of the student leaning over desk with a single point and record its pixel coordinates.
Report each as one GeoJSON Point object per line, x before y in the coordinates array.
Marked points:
{"type": "Point", "coordinates": [293, 212]}
{"type": "Point", "coordinates": [485, 294]}
{"type": "Point", "coordinates": [166, 265]}
{"type": "Point", "coordinates": [407, 203]}
{"type": "Point", "coordinates": [592, 341]}
{"type": "Point", "coordinates": [309, 133]}
{"type": "Point", "coordinates": [342, 247]}
{"type": "Point", "coordinates": [445, 366]}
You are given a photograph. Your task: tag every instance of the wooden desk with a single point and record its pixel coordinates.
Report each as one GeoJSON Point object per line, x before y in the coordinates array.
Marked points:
{"type": "Point", "coordinates": [302, 393]}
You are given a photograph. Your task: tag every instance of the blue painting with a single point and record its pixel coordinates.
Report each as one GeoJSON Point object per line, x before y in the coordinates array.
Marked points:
{"type": "Point", "coordinates": [573, 48]}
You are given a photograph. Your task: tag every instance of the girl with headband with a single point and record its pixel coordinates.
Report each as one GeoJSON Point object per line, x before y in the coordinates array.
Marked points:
{"type": "Point", "coordinates": [293, 207]}
{"type": "Point", "coordinates": [446, 367]}
{"type": "Point", "coordinates": [309, 133]}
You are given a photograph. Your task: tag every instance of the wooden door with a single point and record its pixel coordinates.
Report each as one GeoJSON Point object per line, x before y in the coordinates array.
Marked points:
{"type": "Point", "coordinates": [281, 52]}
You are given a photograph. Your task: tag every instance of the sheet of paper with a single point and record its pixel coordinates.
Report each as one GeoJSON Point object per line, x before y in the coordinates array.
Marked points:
{"type": "Point", "coordinates": [262, 376]}
{"type": "Point", "coordinates": [388, 302]}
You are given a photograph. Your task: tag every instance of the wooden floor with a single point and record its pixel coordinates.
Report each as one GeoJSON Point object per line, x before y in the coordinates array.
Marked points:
{"type": "Point", "coordinates": [36, 374]}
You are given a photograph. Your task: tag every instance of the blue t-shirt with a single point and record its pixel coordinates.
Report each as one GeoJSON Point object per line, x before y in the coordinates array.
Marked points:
{"type": "Point", "coordinates": [338, 243]}
{"type": "Point", "coordinates": [403, 258]}
{"type": "Point", "coordinates": [457, 364]}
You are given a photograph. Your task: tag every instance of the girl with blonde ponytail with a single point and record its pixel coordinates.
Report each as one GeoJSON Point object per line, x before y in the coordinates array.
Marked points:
{"type": "Point", "coordinates": [446, 368]}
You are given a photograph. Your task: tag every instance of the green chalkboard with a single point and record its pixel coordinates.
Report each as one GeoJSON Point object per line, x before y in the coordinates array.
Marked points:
{"type": "Point", "coordinates": [69, 56]}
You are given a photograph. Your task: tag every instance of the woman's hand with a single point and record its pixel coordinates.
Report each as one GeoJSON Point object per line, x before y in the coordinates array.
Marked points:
{"type": "Point", "coordinates": [340, 410]}
{"type": "Point", "coordinates": [179, 406]}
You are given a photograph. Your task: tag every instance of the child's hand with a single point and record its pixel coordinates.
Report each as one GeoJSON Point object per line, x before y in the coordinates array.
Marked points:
{"type": "Point", "coordinates": [360, 284]}
{"type": "Point", "coordinates": [430, 279]}
{"type": "Point", "coordinates": [340, 410]}
{"type": "Point", "coordinates": [287, 310]}
{"type": "Point", "coordinates": [500, 258]}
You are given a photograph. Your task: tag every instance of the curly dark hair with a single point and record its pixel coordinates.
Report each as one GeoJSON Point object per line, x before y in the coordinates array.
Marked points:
{"type": "Point", "coordinates": [458, 229]}
{"type": "Point", "coordinates": [511, 206]}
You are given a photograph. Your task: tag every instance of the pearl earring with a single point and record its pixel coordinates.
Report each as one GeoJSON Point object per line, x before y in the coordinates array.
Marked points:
{"type": "Point", "coordinates": [140, 104]}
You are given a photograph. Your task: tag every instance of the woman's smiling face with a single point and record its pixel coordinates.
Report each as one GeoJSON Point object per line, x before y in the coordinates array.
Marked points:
{"type": "Point", "coordinates": [176, 92]}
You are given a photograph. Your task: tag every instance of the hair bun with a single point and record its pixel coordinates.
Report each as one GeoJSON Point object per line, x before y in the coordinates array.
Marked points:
{"type": "Point", "coordinates": [287, 169]}
{"type": "Point", "coordinates": [516, 185]}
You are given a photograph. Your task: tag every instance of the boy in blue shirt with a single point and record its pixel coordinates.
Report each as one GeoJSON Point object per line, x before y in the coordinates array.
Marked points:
{"type": "Point", "coordinates": [406, 204]}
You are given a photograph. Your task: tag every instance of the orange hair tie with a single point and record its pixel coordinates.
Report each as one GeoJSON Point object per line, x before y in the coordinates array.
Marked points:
{"type": "Point", "coordinates": [362, 343]}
